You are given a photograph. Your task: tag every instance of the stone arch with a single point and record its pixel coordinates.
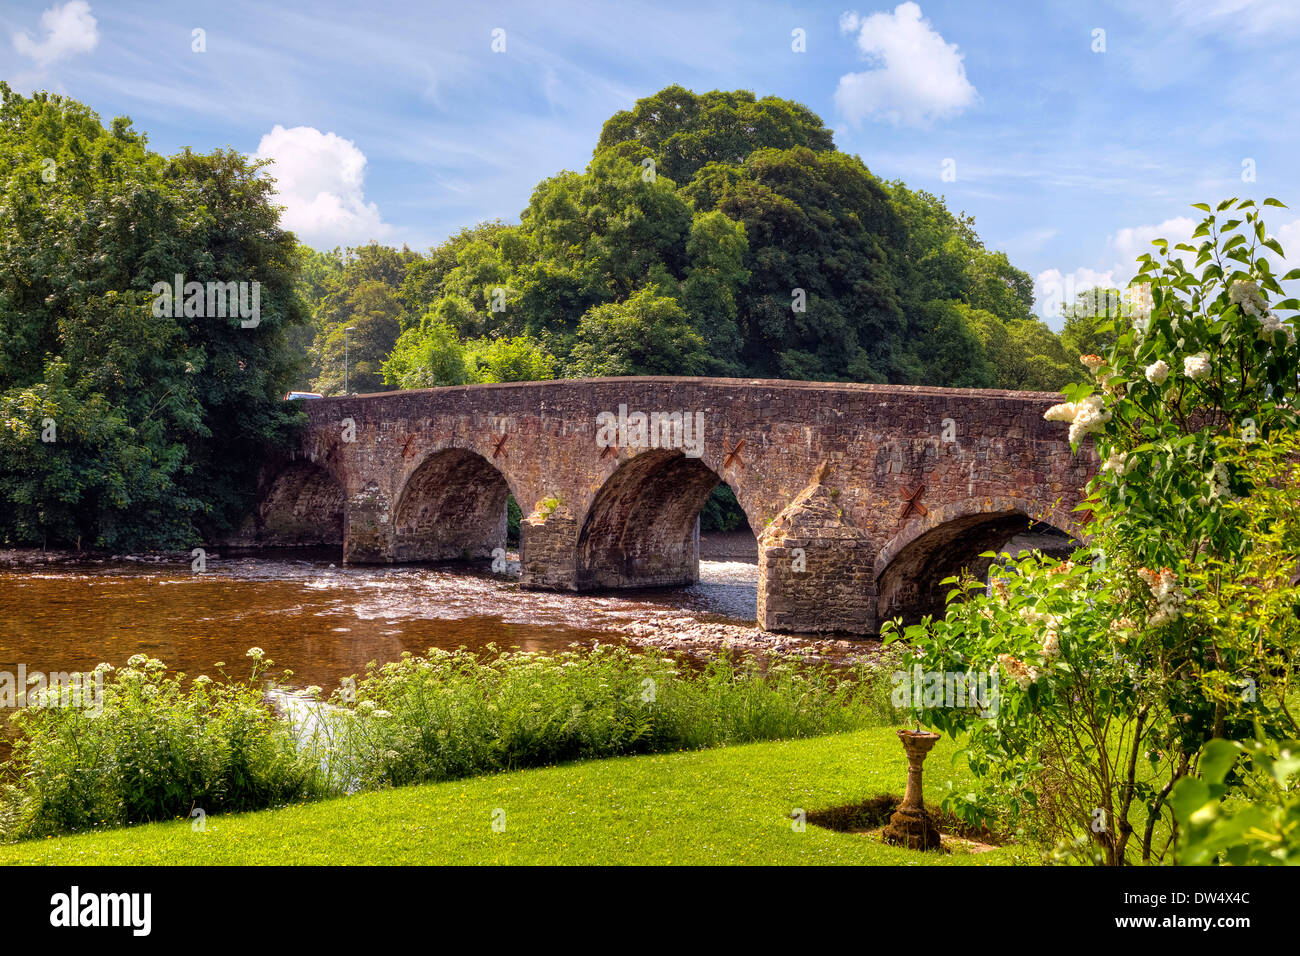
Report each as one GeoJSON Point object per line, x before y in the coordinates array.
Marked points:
{"type": "Point", "coordinates": [452, 506]}
{"type": "Point", "coordinates": [946, 540]}
{"type": "Point", "coordinates": [303, 505]}
{"type": "Point", "coordinates": [641, 528]}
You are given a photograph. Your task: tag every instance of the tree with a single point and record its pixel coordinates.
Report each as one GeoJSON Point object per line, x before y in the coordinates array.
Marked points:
{"type": "Point", "coordinates": [1025, 355]}
{"type": "Point", "coordinates": [371, 309]}
{"type": "Point", "coordinates": [126, 423]}
{"type": "Point", "coordinates": [517, 359]}
{"type": "Point", "coordinates": [645, 335]}
{"type": "Point", "coordinates": [1091, 321]}
{"type": "Point", "coordinates": [787, 257]}
{"type": "Point", "coordinates": [427, 356]}
{"type": "Point", "coordinates": [685, 132]}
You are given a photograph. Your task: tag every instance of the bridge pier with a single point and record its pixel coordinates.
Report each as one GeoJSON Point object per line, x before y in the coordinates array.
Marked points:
{"type": "Point", "coordinates": [816, 569]}
{"type": "Point", "coordinates": [548, 558]}
{"type": "Point", "coordinates": [368, 533]}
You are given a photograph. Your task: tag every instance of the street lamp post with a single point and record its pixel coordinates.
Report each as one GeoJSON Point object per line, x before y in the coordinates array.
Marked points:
{"type": "Point", "coordinates": [345, 357]}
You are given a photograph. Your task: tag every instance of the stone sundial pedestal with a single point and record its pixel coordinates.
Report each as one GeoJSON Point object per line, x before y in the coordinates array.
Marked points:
{"type": "Point", "coordinates": [911, 826]}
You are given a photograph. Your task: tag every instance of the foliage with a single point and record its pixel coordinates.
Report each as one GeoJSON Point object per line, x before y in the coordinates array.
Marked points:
{"type": "Point", "coordinates": [1243, 808]}
{"type": "Point", "coordinates": [160, 747]}
{"type": "Point", "coordinates": [785, 257]}
{"type": "Point", "coordinates": [1119, 666]}
{"type": "Point", "coordinates": [1091, 320]}
{"type": "Point", "coordinates": [158, 421]}
{"type": "Point", "coordinates": [722, 512]}
{"type": "Point", "coordinates": [164, 745]}
{"type": "Point", "coordinates": [452, 714]}
{"type": "Point", "coordinates": [1025, 355]}
{"type": "Point", "coordinates": [646, 335]}
{"type": "Point", "coordinates": [428, 355]}
{"type": "Point", "coordinates": [432, 354]}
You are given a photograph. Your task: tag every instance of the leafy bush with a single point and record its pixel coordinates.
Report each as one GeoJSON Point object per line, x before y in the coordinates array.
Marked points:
{"type": "Point", "coordinates": [452, 714]}
{"type": "Point", "coordinates": [1174, 626]}
{"type": "Point", "coordinates": [160, 747]}
{"type": "Point", "coordinates": [163, 746]}
{"type": "Point", "coordinates": [1244, 807]}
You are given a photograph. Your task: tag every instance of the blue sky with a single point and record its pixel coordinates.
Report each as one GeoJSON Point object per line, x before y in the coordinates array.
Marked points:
{"type": "Point", "coordinates": [399, 122]}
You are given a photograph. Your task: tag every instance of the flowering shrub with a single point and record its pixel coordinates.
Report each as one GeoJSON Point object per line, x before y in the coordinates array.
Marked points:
{"type": "Point", "coordinates": [451, 714]}
{"type": "Point", "coordinates": [164, 746]}
{"type": "Point", "coordinates": [1119, 663]}
{"type": "Point", "coordinates": [161, 747]}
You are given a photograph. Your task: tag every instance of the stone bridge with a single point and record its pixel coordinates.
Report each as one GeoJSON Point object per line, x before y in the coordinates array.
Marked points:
{"type": "Point", "coordinates": [861, 497]}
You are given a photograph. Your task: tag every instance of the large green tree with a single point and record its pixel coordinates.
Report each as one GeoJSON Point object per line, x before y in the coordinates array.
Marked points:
{"type": "Point", "coordinates": [749, 231]}
{"type": "Point", "coordinates": [123, 423]}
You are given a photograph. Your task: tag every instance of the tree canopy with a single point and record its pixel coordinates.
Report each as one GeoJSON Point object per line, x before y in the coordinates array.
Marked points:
{"type": "Point", "coordinates": [715, 234]}
{"type": "Point", "coordinates": [122, 422]}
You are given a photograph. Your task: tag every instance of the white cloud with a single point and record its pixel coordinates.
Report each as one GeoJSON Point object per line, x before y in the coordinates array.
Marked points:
{"type": "Point", "coordinates": [1225, 18]}
{"type": "Point", "coordinates": [69, 29]}
{"type": "Point", "coordinates": [1052, 287]}
{"type": "Point", "coordinates": [1289, 236]}
{"type": "Point", "coordinates": [320, 178]}
{"type": "Point", "coordinates": [919, 77]}
{"type": "Point", "coordinates": [1132, 242]}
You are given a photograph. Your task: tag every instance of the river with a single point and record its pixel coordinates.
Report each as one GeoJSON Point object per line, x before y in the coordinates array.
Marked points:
{"type": "Point", "coordinates": [324, 621]}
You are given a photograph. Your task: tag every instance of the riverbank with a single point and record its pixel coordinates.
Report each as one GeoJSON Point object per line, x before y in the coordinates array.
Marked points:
{"type": "Point", "coordinates": [18, 559]}
{"type": "Point", "coordinates": [730, 805]}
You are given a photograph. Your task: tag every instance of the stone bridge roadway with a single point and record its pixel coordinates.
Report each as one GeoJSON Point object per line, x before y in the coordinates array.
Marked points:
{"type": "Point", "coordinates": [862, 497]}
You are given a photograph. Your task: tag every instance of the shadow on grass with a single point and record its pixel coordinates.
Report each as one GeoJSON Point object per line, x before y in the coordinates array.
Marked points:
{"type": "Point", "coordinates": [870, 815]}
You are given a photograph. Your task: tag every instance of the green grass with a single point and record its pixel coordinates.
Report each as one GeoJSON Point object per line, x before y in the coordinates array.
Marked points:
{"type": "Point", "coordinates": [728, 805]}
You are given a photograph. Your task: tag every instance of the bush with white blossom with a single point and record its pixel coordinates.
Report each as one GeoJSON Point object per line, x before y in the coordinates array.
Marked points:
{"type": "Point", "coordinates": [1118, 666]}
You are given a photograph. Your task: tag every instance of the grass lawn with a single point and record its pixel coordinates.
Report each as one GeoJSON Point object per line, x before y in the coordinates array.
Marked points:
{"type": "Point", "coordinates": [721, 806]}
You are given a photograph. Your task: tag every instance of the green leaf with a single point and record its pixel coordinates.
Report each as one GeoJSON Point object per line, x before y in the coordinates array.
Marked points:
{"type": "Point", "coordinates": [1188, 796]}
{"type": "Point", "coordinates": [1217, 758]}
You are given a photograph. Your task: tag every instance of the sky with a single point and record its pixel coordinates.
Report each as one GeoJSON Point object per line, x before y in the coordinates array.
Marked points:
{"type": "Point", "coordinates": [1074, 132]}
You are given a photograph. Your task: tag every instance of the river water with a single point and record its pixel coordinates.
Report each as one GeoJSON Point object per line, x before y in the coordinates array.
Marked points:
{"type": "Point", "coordinates": [321, 621]}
